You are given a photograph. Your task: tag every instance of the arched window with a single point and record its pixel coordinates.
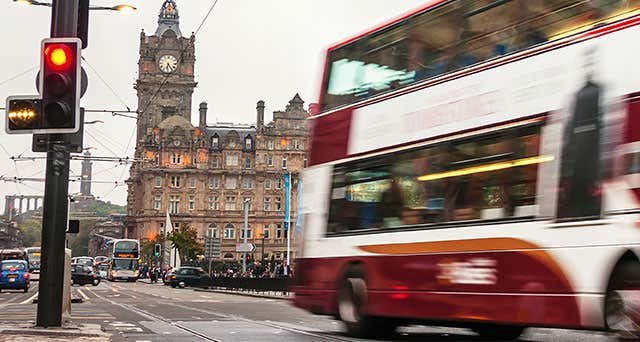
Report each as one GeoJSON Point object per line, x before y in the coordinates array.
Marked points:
{"type": "Point", "coordinates": [229, 231]}
{"type": "Point", "coordinates": [248, 143]}
{"type": "Point", "coordinates": [215, 141]}
{"type": "Point", "coordinates": [228, 256]}
{"type": "Point", "coordinates": [212, 231]}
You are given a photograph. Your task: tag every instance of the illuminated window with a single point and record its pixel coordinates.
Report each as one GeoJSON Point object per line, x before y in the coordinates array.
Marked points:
{"type": "Point", "coordinates": [488, 177]}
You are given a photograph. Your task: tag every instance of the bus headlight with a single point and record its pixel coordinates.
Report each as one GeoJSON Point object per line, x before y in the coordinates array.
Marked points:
{"type": "Point", "coordinates": [135, 274]}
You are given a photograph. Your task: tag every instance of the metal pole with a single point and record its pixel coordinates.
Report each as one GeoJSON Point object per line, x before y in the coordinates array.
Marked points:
{"type": "Point", "coordinates": [246, 226]}
{"type": "Point", "coordinates": [54, 222]}
{"type": "Point", "coordinates": [64, 23]}
{"type": "Point", "coordinates": [262, 258]}
{"type": "Point", "coordinates": [288, 231]}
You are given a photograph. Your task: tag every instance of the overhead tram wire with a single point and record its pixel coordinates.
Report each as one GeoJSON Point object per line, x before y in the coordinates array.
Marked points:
{"type": "Point", "coordinates": [19, 75]}
{"type": "Point", "coordinates": [105, 83]}
{"type": "Point", "coordinates": [99, 134]}
{"type": "Point", "coordinates": [100, 143]}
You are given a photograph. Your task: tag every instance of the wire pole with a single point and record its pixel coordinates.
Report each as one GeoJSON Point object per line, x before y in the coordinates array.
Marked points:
{"type": "Point", "coordinates": [244, 232]}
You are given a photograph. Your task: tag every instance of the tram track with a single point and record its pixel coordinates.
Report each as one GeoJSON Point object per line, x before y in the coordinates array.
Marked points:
{"type": "Point", "coordinates": [269, 324]}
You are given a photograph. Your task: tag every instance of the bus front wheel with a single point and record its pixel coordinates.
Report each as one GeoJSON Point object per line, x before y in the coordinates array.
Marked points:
{"type": "Point", "coordinates": [352, 302]}
{"type": "Point", "coordinates": [622, 301]}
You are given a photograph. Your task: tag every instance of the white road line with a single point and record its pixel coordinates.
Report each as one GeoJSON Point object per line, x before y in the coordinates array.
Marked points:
{"type": "Point", "coordinates": [30, 299]}
{"type": "Point", "coordinates": [83, 295]}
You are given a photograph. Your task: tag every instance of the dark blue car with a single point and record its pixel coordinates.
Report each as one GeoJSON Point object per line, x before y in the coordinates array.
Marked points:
{"type": "Point", "coordinates": [14, 274]}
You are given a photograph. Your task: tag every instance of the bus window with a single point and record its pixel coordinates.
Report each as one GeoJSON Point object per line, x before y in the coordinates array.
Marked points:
{"type": "Point", "coordinates": [454, 36]}
{"type": "Point", "coordinates": [483, 178]}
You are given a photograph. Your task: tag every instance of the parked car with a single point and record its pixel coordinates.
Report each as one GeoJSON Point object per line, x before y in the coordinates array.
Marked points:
{"type": "Point", "coordinates": [82, 274]}
{"type": "Point", "coordinates": [14, 274]}
{"type": "Point", "coordinates": [189, 276]}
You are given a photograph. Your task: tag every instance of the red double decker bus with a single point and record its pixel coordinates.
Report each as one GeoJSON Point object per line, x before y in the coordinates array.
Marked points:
{"type": "Point", "coordinates": [477, 164]}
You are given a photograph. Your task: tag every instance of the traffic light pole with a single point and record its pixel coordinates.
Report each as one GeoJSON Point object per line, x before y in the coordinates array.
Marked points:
{"type": "Point", "coordinates": [64, 23]}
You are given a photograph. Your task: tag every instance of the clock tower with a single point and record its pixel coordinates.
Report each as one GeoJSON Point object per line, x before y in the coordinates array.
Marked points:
{"type": "Point", "coordinates": [165, 73]}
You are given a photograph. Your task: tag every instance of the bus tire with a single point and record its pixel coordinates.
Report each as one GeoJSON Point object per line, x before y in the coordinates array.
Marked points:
{"type": "Point", "coordinates": [622, 301]}
{"type": "Point", "coordinates": [494, 332]}
{"type": "Point", "coordinates": [352, 302]}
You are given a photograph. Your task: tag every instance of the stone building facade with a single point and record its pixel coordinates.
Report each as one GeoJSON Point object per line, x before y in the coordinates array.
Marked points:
{"type": "Point", "coordinates": [203, 174]}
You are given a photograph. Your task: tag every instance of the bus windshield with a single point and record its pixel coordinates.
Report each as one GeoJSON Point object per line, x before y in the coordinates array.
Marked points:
{"type": "Point", "coordinates": [453, 36]}
{"type": "Point", "coordinates": [124, 264]}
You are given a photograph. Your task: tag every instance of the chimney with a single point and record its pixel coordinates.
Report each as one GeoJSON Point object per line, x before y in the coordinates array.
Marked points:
{"type": "Point", "coordinates": [203, 115]}
{"type": "Point", "coordinates": [260, 119]}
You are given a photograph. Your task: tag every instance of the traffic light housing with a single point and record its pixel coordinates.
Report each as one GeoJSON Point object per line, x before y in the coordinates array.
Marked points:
{"type": "Point", "coordinates": [60, 85]}
{"type": "Point", "coordinates": [157, 250]}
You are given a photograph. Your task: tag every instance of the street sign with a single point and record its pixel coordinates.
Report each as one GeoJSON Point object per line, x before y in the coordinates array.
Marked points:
{"type": "Point", "coordinates": [245, 247]}
{"type": "Point", "coordinates": [211, 247]}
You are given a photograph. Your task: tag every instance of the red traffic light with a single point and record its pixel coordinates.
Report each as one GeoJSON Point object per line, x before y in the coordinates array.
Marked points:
{"type": "Point", "coordinates": [59, 56]}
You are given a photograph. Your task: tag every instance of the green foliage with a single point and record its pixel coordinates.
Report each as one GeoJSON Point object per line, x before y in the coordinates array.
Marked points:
{"type": "Point", "coordinates": [79, 243]}
{"type": "Point", "coordinates": [106, 208]}
{"type": "Point", "coordinates": [32, 230]}
{"type": "Point", "coordinates": [186, 241]}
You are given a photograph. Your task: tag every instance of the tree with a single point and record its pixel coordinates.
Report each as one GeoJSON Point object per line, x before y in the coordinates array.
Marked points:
{"type": "Point", "coordinates": [147, 250]}
{"type": "Point", "coordinates": [186, 241]}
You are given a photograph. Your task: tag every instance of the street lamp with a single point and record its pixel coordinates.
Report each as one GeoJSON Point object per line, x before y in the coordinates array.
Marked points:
{"type": "Point", "coordinates": [124, 8]}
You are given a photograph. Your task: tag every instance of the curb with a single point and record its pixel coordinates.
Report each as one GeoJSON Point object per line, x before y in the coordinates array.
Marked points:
{"type": "Point", "coordinates": [246, 294]}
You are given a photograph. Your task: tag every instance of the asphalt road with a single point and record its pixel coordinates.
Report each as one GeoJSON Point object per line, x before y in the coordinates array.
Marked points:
{"type": "Point", "coordinates": [153, 312]}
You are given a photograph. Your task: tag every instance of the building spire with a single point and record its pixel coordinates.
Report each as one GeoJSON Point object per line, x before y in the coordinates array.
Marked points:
{"type": "Point", "coordinates": [169, 19]}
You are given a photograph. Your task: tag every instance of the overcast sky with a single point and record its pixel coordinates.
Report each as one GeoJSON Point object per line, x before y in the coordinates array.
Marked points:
{"type": "Point", "coordinates": [246, 51]}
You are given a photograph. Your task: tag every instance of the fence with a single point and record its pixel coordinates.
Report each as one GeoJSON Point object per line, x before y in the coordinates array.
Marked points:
{"type": "Point", "coordinates": [252, 284]}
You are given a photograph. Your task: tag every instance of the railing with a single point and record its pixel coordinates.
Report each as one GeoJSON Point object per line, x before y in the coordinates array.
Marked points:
{"type": "Point", "coordinates": [254, 284]}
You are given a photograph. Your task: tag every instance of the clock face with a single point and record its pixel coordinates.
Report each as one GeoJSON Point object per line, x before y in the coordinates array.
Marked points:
{"type": "Point", "coordinates": [168, 63]}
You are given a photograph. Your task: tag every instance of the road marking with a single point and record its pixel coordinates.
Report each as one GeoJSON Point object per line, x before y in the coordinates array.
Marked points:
{"type": "Point", "coordinates": [30, 299]}
{"type": "Point", "coordinates": [83, 295]}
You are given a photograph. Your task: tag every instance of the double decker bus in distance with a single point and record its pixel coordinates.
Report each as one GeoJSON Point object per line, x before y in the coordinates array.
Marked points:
{"type": "Point", "coordinates": [477, 164]}
{"type": "Point", "coordinates": [124, 261]}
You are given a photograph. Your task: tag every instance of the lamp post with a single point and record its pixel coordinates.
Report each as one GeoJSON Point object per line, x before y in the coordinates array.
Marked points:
{"type": "Point", "coordinates": [246, 203]}
{"type": "Point", "coordinates": [120, 8]}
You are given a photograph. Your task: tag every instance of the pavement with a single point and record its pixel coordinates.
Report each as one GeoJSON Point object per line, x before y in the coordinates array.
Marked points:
{"type": "Point", "coordinates": [248, 293]}
{"type": "Point", "coordinates": [126, 312]}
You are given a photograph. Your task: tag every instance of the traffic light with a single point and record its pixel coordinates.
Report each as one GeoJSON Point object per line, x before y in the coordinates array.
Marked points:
{"type": "Point", "coordinates": [60, 85]}
{"type": "Point", "coordinates": [24, 114]}
{"type": "Point", "coordinates": [156, 250]}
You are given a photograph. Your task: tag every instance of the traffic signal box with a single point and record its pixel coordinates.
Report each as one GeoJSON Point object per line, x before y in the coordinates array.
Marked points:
{"type": "Point", "coordinates": [157, 249]}
{"type": "Point", "coordinates": [57, 109]}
